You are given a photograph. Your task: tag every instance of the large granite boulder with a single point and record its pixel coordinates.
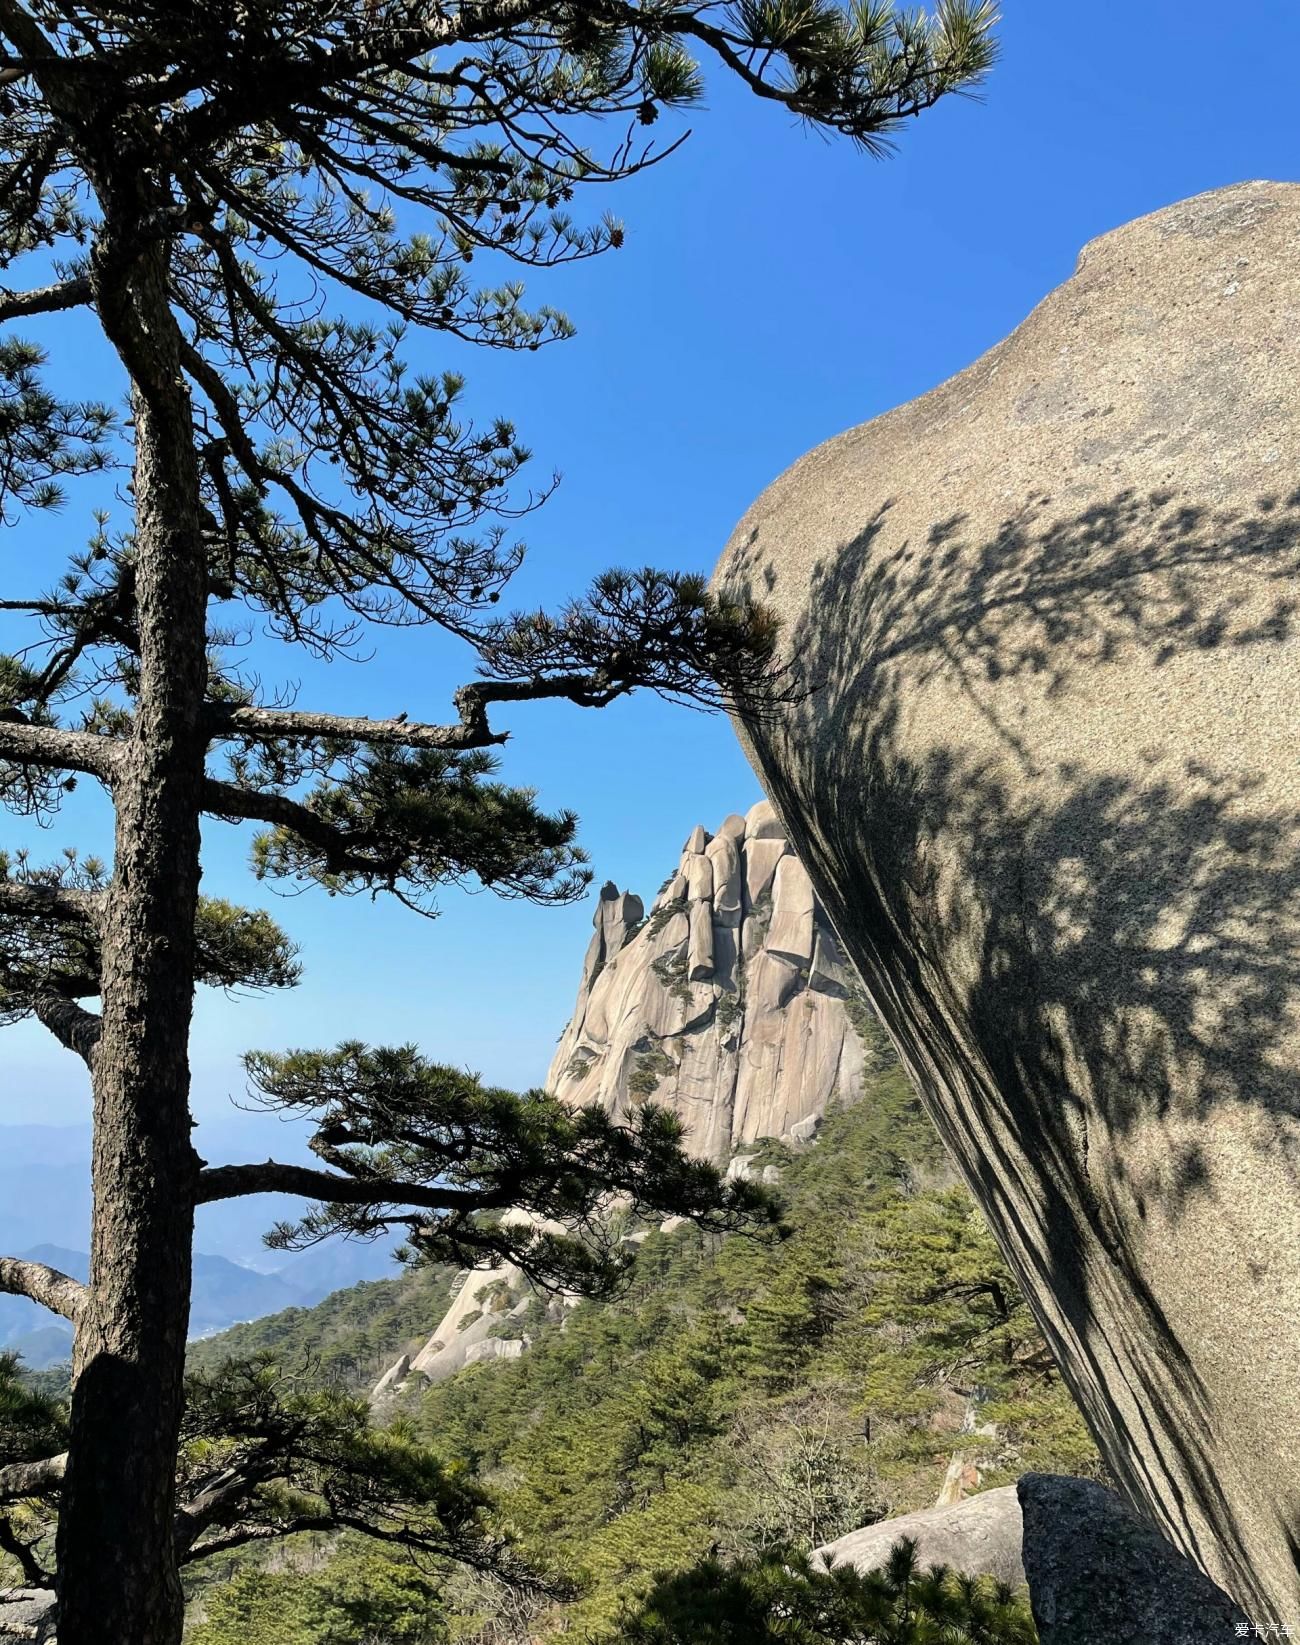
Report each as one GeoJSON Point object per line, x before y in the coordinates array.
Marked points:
{"type": "Point", "coordinates": [1047, 788]}
{"type": "Point", "coordinates": [979, 1537]}
{"type": "Point", "coordinates": [1099, 1575]}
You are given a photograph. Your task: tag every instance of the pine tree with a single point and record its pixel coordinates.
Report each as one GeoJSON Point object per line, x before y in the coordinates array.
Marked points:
{"type": "Point", "coordinates": [256, 203]}
{"type": "Point", "coordinates": [780, 1597]}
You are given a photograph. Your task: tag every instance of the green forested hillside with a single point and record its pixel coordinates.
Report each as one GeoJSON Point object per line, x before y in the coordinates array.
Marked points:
{"type": "Point", "coordinates": [744, 1396]}
{"type": "Point", "coordinates": [348, 1339]}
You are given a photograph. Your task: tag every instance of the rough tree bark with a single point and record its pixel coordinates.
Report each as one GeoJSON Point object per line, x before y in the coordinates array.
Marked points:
{"type": "Point", "coordinates": [130, 1349]}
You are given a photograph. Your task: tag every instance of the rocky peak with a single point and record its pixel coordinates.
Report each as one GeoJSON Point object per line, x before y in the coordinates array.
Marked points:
{"type": "Point", "coordinates": [726, 1004]}
{"type": "Point", "coordinates": [729, 1003]}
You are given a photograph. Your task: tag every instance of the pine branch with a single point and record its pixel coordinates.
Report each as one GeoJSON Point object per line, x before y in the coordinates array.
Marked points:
{"type": "Point", "coordinates": [32, 899]}
{"type": "Point", "coordinates": [47, 1286]}
{"type": "Point", "coordinates": [53, 748]}
{"type": "Point", "coordinates": [223, 1182]}
{"type": "Point", "coordinates": [75, 1028]}
{"type": "Point", "coordinates": [29, 1479]}
{"type": "Point", "coordinates": [33, 1572]}
{"type": "Point", "coordinates": [253, 805]}
{"type": "Point", "coordinates": [51, 299]}
{"type": "Point", "coordinates": [243, 1535]}
{"type": "Point", "coordinates": [292, 725]}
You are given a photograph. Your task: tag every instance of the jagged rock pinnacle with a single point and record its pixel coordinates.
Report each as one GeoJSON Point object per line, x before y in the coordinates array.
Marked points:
{"type": "Point", "coordinates": [725, 1004]}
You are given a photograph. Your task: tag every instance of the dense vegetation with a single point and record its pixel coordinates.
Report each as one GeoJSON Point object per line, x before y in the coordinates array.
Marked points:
{"type": "Point", "coordinates": [349, 1338]}
{"type": "Point", "coordinates": [745, 1399]}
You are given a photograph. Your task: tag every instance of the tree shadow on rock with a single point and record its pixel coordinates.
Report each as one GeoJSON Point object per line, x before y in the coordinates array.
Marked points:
{"type": "Point", "coordinates": [1093, 948]}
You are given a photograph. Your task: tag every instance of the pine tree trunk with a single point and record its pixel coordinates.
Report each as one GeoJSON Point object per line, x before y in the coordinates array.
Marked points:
{"type": "Point", "coordinates": [118, 1578]}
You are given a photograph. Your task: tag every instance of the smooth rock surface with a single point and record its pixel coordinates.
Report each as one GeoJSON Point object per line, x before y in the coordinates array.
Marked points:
{"type": "Point", "coordinates": [980, 1536]}
{"type": "Point", "coordinates": [28, 1614]}
{"type": "Point", "coordinates": [1100, 1575]}
{"type": "Point", "coordinates": [1048, 791]}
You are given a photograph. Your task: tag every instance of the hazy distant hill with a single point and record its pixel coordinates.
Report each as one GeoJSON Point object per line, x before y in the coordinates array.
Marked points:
{"type": "Point", "coordinates": [225, 1294]}
{"type": "Point", "coordinates": [45, 1214]}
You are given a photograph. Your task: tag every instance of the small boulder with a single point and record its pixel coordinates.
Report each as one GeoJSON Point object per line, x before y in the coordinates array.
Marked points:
{"type": "Point", "coordinates": [978, 1537]}
{"type": "Point", "coordinates": [1101, 1575]}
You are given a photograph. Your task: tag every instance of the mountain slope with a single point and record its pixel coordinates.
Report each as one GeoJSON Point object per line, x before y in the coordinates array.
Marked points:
{"type": "Point", "coordinates": [743, 1394]}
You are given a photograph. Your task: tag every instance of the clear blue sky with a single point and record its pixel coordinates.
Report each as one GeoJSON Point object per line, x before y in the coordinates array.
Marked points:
{"type": "Point", "coordinates": [775, 289]}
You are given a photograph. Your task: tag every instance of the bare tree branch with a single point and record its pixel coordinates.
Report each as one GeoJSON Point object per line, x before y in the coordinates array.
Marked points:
{"type": "Point", "coordinates": [254, 805]}
{"type": "Point", "coordinates": [221, 1182]}
{"type": "Point", "coordinates": [587, 690]}
{"type": "Point", "coordinates": [242, 1535]}
{"type": "Point", "coordinates": [75, 1028]}
{"type": "Point", "coordinates": [52, 747]}
{"type": "Point", "coordinates": [472, 732]}
{"type": "Point", "coordinates": [31, 899]}
{"type": "Point", "coordinates": [53, 1290]}
{"type": "Point", "coordinates": [64, 294]}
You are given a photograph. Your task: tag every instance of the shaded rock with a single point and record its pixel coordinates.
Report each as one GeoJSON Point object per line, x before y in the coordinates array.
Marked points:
{"type": "Point", "coordinates": [1046, 788]}
{"type": "Point", "coordinates": [980, 1537]}
{"type": "Point", "coordinates": [805, 1130]}
{"type": "Point", "coordinates": [1100, 1575]}
{"type": "Point", "coordinates": [391, 1381]}
{"type": "Point", "coordinates": [28, 1614]}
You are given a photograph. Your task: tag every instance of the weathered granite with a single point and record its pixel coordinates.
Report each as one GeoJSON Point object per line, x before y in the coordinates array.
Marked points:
{"type": "Point", "coordinates": [28, 1614]}
{"type": "Point", "coordinates": [1100, 1575]}
{"type": "Point", "coordinates": [980, 1537]}
{"type": "Point", "coordinates": [1047, 789]}
{"type": "Point", "coordinates": [755, 1045]}
{"type": "Point", "coordinates": [731, 995]}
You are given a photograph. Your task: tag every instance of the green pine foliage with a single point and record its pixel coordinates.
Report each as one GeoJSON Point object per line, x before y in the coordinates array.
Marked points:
{"type": "Point", "coordinates": [325, 1596]}
{"type": "Point", "coordinates": [753, 1396]}
{"type": "Point", "coordinates": [780, 1599]}
{"type": "Point", "coordinates": [674, 1454]}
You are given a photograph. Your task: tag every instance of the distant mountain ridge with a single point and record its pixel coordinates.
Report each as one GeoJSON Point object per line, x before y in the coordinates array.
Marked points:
{"type": "Point", "coordinates": [45, 1216]}
{"type": "Point", "coordinates": [225, 1293]}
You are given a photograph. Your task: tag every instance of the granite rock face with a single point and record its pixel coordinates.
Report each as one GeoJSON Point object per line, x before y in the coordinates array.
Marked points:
{"type": "Point", "coordinates": [693, 1008]}
{"type": "Point", "coordinates": [1047, 790]}
{"type": "Point", "coordinates": [979, 1537]}
{"type": "Point", "coordinates": [725, 1005]}
{"type": "Point", "coordinates": [1099, 1575]}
